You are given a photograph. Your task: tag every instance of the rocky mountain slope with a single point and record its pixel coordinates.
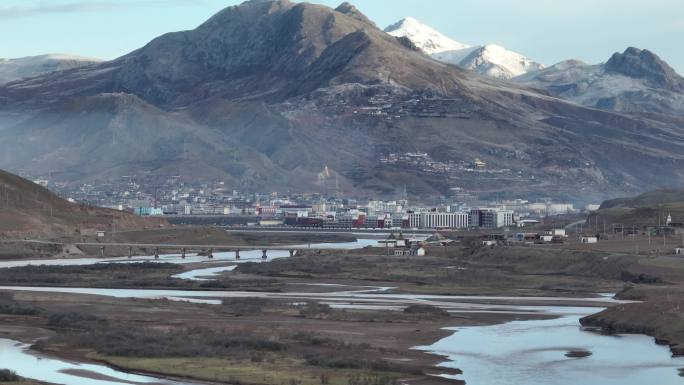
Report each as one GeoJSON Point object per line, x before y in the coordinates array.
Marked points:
{"type": "Point", "coordinates": [268, 94]}
{"type": "Point", "coordinates": [27, 67]}
{"type": "Point", "coordinates": [633, 81]}
{"type": "Point", "coordinates": [490, 59]}
{"type": "Point", "coordinates": [29, 210]}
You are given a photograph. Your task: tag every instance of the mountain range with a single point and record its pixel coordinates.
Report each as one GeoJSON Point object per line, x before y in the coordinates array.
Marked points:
{"type": "Point", "coordinates": [275, 95]}
{"type": "Point", "coordinates": [635, 81]}
{"type": "Point", "coordinates": [27, 67]}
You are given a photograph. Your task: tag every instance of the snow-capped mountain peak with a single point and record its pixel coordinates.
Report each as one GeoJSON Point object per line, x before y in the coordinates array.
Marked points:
{"type": "Point", "coordinates": [424, 37]}
{"type": "Point", "coordinates": [497, 61]}
{"type": "Point", "coordinates": [490, 59]}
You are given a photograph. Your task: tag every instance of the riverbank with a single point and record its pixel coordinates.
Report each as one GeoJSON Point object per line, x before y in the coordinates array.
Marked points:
{"type": "Point", "coordinates": [658, 316]}
{"type": "Point", "coordinates": [658, 285]}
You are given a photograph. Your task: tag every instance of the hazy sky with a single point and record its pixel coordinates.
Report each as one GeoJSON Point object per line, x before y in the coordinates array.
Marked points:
{"type": "Point", "coordinates": [545, 30]}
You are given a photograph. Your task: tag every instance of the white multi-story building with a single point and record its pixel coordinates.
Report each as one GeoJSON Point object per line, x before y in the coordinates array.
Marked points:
{"type": "Point", "coordinates": [490, 218]}
{"type": "Point", "coordinates": [437, 220]}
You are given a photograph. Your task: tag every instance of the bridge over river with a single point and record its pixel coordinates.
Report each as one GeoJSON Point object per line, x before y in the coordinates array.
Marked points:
{"type": "Point", "coordinates": [207, 250]}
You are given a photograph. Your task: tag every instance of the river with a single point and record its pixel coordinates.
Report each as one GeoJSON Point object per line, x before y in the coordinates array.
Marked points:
{"type": "Point", "coordinates": [534, 353]}
{"type": "Point", "coordinates": [521, 352]}
{"type": "Point", "coordinates": [531, 352]}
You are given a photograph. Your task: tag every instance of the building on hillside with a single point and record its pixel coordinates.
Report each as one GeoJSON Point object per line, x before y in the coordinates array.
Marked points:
{"type": "Point", "coordinates": [299, 210]}
{"type": "Point", "coordinates": [395, 241]}
{"type": "Point", "coordinates": [439, 240]}
{"type": "Point", "coordinates": [271, 222]}
{"type": "Point", "coordinates": [591, 207]}
{"type": "Point", "coordinates": [418, 251]}
{"type": "Point", "coordinates": [528, 222]}
{"type": "Point", "coordinates": [589, 240]}
{"type": "Point", "coordinates": [526, 237]}
{"type": "Point", "coordinates": [414, 250]}
{"type": "Point", "coordinates": [545, 238]}
{"type": "Point", "coordinates": [558, 232]}
{"type": "Point", "coordinates": [264, 211]}
{"type": "Point", "coordinates": [148, 211]}
{"type": "Point", "coordinates": [659, 230]}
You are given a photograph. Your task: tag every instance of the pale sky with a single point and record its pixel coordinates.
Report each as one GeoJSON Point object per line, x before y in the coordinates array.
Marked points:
{"type": "Point", "coordinates": [545, 30]}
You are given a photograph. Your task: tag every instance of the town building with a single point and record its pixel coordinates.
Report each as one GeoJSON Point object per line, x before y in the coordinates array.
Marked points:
{"type": "Point", "coordinates": [490, 218]}
{"type": "Point", "coordinates": [439, 220]}
{"type": "Point", "coordinates": [588, 240]}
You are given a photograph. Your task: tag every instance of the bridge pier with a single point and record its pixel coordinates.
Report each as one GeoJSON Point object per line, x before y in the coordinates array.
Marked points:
{"type": "Point", "coordinates": [130, 251]}
{"type": "Point", "coordinates": [183, 253]}
{"type": "Point", "coordinates": [156, 253]}
{"type": "Point", "coordinates": [237, 254]}
{"type": "Point", "coordinates": [264, 256]}
{"type": "Point", "coordinates": [211, 253]}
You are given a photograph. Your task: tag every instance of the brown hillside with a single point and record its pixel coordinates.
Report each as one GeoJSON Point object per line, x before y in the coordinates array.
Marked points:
{"type": "Point", "coordinates": [29, 210]}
